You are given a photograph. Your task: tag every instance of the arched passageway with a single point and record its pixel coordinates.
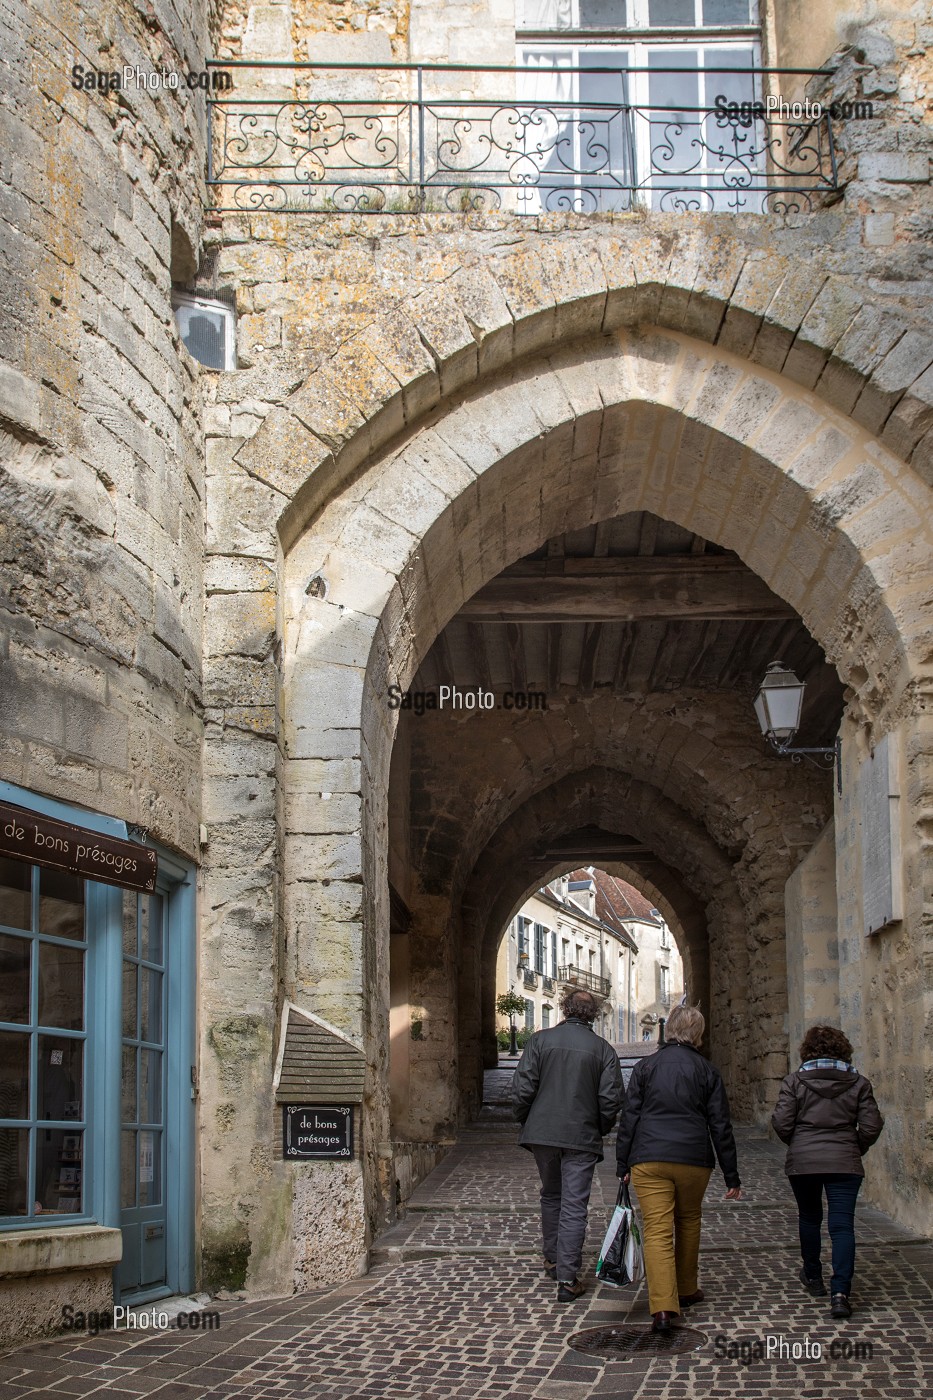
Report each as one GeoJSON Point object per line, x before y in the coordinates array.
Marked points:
{"type": "Point", "coordinates": [459, 812]}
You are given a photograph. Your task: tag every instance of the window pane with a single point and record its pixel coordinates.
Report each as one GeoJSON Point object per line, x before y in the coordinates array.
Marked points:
{"type": "Point", "coordinates": [15, 889]}
{"type": "Point", "coordinates": [61, 1062]}
{"type": "Point", "coordinates": [128, 1080]}
{"type": "Point", "coordinates": [14, 978]}
{"type": "Point", "coordinates": [150, 1168]}
{"type": "Point", "coordinates": [14, 1158]}
{"type": "Point", "coordinates": [61, 986]}
{"type": "Point", "coordinates": [59, 1172]}
{"type": "Point", "coordinates": [127, 1169]}
{"type": "Point", "coordinates": [545, 14]}
{"type": "Point", "coordinates": [129, 1000]}
{"type": "Point", "coordinates": [725, 12]}
{"type": "Point", "coordinates": [150, 1086]}
{"type": "Point", "coordinates": [150, 1004]}
{"type": "Point", "coordinates": [130, 920]}
{"type": "Point", "coordinates": [151, 928]}
{"type": "Point", "coordinates": [14, 1075]}
{"type": "Point", "coordinates": [602, 14]}
{"type": "Point", "coordinates": [671, 12]}
{"type": "Point", "coordinates": [61, 904]}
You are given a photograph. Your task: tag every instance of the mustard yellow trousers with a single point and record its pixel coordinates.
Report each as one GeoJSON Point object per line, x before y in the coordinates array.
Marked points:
{"type": "Point", "coordinates": [671, 1198]}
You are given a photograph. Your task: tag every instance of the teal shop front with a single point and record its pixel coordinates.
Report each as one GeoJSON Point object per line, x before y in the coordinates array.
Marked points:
{"type": "Point", "coordinates": [97, 1057]}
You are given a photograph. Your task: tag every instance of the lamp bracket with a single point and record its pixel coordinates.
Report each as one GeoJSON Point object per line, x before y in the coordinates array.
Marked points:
{"type": "Point", "coordinates": [831, 755]}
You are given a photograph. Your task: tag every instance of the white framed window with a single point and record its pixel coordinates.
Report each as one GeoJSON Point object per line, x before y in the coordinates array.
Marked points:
{"type": "Point", "coordinates": [638, 111]}
{"type": "Point", "coordinates": [207, 327]}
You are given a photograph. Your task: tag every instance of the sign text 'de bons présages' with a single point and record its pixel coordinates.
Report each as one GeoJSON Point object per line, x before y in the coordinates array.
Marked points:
{"type": "Point", "coordinates": [25, 835]}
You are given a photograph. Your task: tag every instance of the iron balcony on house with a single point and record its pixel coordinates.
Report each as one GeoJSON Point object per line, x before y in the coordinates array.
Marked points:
{"type": "Point", "coordinates": [403, 138]}
{"type": "Point", "coordinates": [582, 977]}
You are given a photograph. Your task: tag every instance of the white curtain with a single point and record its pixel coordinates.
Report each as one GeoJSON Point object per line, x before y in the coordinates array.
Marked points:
{"type": "Point", "coordinates": [545, 78]}
{"type": "Point", "coordinates": [546, 14]}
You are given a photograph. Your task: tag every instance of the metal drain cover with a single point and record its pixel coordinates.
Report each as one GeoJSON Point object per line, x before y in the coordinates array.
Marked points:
{"type": "Point", "coordinates": [615, 1342]}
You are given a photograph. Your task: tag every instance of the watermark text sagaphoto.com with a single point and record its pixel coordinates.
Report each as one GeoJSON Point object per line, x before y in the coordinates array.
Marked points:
{"type": "Point", "coordinates": [775, 1347]}
{"type": "Point", "coordinates": [136, 1320]}
{"type": "Point", "coordinates": [451, 697]}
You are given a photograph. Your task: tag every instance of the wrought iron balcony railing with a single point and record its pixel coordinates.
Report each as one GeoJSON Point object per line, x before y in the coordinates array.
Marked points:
{"type": "Point", "coordinates": [547, 985]}
{"type": "Point", "coordinates": [412, 139]}
{"type": "Point", "coordinates": [582, 977]}
{"type": "Point", "coordinates": [530, 978]}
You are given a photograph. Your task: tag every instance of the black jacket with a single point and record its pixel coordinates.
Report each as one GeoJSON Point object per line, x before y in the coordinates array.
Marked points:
{"type": "Point", "coordinates": [567, 1088]}
{"type": "Point", "coordinates": [828, 1118]}
{"type": "Point", "coordinates": [676, 1110]}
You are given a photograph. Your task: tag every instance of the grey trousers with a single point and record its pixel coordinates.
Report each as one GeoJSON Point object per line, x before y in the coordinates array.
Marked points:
{"type": "Point", "coordinates": [566, 1179]}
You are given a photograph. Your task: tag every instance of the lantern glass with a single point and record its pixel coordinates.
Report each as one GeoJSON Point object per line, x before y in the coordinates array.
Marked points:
{"type": "Point", "coordinates": [779, 703]}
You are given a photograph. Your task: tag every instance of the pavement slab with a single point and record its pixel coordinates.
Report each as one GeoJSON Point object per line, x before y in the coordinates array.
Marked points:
{"type": "Point", "coordinates": [457, 1305]}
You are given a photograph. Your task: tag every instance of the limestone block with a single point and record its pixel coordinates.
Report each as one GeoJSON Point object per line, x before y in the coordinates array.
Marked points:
{"type": "Point", "coordinates": [322, 775]}
{"type": "Point", "coordinates": [330, 632]}
{"type": "Point", "coordinates": [831, 314]}
{"type": "Point", "coordinates": [331, 857]}
{"type": "Point", "coordinates": [319, 699]}
{"type": "Point", "coordinates": [238, 680]}
{"type": "Point", "coordinates": [395, 342]}
{"type": "Point", "coordinates": [899, 370]}
{"type": "Point", "coordinates": [442, 326]}
{"type": "Point", "coordinates": [230, 799]}
{"type": "Point", "coordinates": [241, 510]}
{"type": "Point", "coordinates": [227, 757]}
{"type": "Point", "coordinates": [785, 312]}
{"type": "Point", "coordinates": [322, 813]}
{"type": "Point", "coordinates": [323, 406]}
{"type": "Point", "coordinates": [232, 574]}
{"type": "Point", "coordinates": [896, 167]}
{"type": "Point", "coordinates": [242, 624]}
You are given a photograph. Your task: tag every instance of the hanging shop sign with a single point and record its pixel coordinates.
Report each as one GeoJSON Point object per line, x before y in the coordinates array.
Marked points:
{"type": "Point", "coordinates": [317, 1132]}
{"type": "Point", "coordinates": [25, 835]}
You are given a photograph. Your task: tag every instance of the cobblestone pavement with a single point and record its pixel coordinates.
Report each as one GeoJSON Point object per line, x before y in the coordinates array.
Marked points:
{"type": "Point", "coordinates": [456, 1305]}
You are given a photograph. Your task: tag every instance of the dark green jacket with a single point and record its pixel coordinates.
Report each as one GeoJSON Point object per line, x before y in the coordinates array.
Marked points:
{"type": "Point", "coordinates": [567, 1090]}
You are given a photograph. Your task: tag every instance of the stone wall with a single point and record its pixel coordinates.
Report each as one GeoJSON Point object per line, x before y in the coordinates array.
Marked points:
{"type": "Point", "coordinates": [812, 942]}
{"type": "Point", "coordinates": [101, 465]}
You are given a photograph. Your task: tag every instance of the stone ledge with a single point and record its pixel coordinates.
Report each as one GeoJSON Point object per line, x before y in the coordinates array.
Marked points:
{"type": "Point", "coordinates": [58, 1251]}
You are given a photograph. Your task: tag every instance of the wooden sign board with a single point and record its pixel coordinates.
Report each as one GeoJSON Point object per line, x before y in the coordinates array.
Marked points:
{"type": "Point", "coordinates": [317, 1132]}
{"type": "Point", "coordinates": [26, 836]}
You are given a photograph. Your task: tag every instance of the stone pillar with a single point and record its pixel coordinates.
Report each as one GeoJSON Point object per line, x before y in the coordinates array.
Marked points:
{"type": "Point", "coordinates": [812, 940]}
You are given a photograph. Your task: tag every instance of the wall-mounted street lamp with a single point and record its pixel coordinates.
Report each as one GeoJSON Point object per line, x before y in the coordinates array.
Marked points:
{"type": "Point", "coordinates": [778, 705]}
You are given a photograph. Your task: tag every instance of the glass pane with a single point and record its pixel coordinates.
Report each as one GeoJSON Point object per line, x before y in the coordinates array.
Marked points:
{"type": "Point", "coordinates": [14, 1075]}
{"type": "Point", "coordinates": [14, 978]}
{"type": "Point", "coordinates": [150, 1004]}
{"type": "Point", "coordinates": [130, 920]}
{"type": "Point", "coordinates": [602, 14]}
{"type": "Point", "coordinates": [127, 1169]}
{"type": "Point", "coordinates": [544, 14]}
{"type": "Point", "coordinates": [128, 1079]}
{"type": "Point", "coordinates": [151, 928]}
{"type": "Point", "coordinates": [15, 893]}
{"type": "Point", "coordinates": [150, 1168]}
{"type": "Point", "coordinates": [129, 1000]}
{"type": "Point", "coordinates": [725, 12]}
{"type": "Point", "coordinates": [61, 986]}
{"type": "Point", "coordinates": [150, 1086]}
{"type": "Point", "coordinates": [61, 1075]}
{"type": "Point", "coordinates": [663, 13]}
{"type": "Point", "coordinates": [59, 1172]}
{"type": "Point", "coordinates": [61, 904]}
{"type": "Point", "coordinates": [14, 1158]}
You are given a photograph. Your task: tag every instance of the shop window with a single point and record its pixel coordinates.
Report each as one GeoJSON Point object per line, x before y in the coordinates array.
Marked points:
{"type": "Point", "coordinates": [43, 1035]}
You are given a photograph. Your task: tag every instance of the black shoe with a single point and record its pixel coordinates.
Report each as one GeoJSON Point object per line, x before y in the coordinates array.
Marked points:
{"type": "Point", "coordinates": [692, 1298]}
{"type": "Point", "coordinates": [814, 1286]}
{"type": "Point", "coordinates": [841, 1307]}
{"type": "Point", "coordinates": [662, 1322]}
{"type": "Point", "coordinates": [550, 1270]}
{"type": "Point", "coordinates": [567, 1292]}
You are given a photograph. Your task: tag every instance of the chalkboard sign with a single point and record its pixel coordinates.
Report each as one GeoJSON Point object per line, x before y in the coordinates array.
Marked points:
{"type": "Point", "coordinates": [317, 1132]}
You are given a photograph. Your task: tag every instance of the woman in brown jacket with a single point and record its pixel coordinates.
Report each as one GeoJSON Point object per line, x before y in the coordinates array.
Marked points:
{"type": "Point", "coordinates": [827, 1115]}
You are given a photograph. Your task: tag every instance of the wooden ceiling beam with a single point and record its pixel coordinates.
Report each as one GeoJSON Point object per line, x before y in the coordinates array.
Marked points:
{"type": "Point", "coordinates": [700, 588]}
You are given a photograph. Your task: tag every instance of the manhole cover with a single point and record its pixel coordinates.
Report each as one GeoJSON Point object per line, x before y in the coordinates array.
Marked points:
{"type": "Point", "coordinates": [638, 1341]}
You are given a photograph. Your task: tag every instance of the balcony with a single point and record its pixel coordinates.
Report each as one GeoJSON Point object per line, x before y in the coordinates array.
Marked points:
{"type": "Point", "coordinates": [371, 139]}
{"type": "Point", "coordinates": [588, 981]}
{"type": "Point", "coordinates": [548, 985]}
{"type": "Point", "coordinates": [529, 978]}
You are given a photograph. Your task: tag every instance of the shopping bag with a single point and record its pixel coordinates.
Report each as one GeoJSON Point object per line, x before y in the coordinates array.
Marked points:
{"type": "Point", "coordinates": [621, 1261]}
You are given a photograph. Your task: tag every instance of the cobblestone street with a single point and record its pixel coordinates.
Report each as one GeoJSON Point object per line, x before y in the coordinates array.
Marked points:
{"type": "Point", "coordinates": [456, 1305]}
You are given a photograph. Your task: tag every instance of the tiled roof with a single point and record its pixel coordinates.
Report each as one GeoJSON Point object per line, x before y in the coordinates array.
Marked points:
{"type": "Point", "coordinates": [616, 900]}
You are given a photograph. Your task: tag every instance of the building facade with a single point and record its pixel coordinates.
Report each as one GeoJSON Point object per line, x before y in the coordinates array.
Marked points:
{"type": "Point", "coordinates": [598, 420]}
{"type": "Point", "coordinates": [591, 930]}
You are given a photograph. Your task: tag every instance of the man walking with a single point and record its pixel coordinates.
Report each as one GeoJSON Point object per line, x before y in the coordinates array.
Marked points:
{"type": "Point", "coordinates": [567, 1092]}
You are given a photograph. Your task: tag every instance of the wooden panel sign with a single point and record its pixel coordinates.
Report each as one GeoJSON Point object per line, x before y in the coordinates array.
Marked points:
{"type": "Point", "coordinates": [317, 1132]}
{"type": "Point", "coordinates": [25, 835]}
